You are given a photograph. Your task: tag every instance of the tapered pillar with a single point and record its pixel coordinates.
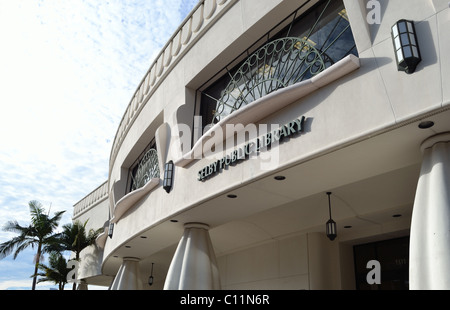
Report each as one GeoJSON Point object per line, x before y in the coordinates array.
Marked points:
{"type": "Point", "coordinates": [82, 286]}
{"type": "Point", "coordinates": [128, 277]}
{"type": "Point", "coordinates": [193, 266]}
{"type": "Point", "coordinates": [429, 266]}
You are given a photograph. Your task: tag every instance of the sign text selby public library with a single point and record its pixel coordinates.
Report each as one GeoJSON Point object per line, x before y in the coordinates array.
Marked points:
{"type": "Point", "coordinates": [252, 147]}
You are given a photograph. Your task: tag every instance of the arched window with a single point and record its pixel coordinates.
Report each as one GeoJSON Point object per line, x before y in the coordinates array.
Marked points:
{"type": "Point", "coordinates": [305, 47]}
{"type": "Point", "coordinates": [145, 168]}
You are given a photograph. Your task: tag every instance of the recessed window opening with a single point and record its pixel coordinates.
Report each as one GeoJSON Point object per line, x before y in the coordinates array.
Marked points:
{"type": "Point", "coordinates": [307, 45]}
{"type": "Point", "coordinates": [145, 168]}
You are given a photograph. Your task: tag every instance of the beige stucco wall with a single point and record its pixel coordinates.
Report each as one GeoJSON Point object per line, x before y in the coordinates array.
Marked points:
{"type": "Point", "coordinates": [96, 216]}
{"type": "Point", "coordinates": [302, 262]}
{"type": "Point", "coordinates": [279, 264]}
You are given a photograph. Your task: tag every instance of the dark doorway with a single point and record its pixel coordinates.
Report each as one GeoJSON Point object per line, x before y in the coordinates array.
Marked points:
{"type": "Point", "coordinates": [393, 256]}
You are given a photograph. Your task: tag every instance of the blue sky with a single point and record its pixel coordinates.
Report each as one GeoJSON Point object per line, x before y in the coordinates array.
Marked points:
{"type": "Point", "coordinates": [68, 69]}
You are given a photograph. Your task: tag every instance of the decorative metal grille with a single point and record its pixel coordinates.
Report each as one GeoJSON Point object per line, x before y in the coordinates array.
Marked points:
{"type": "Point", "coordinates": [148, 169]}
{"type": "Point", "coordinates": [310, 45]}
{"type": "Point", "coordinates": [277, 64]}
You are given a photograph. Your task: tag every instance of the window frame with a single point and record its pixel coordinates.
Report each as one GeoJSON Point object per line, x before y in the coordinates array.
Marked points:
{"type": "Point", "coordinates": [134, 167]}
{"type": "Point", "coordinates": [281, 30]}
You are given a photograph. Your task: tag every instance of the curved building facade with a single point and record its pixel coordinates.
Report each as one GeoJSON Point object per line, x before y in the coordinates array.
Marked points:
{"type": "Point", "coordinates": [283, 145]}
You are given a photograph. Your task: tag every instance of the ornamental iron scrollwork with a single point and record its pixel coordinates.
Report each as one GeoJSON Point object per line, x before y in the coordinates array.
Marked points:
{"type": "Point", "coordinates": [148, 169]}
{"type": "Point", "coordinates": [306, 46]}
{"type": "Point", "coordinates": [275, 65]}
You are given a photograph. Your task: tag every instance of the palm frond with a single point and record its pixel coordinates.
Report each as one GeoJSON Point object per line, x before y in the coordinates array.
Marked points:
{"type": "Point", "coordinates": [29, 242]}
{"type": "Point", "coordinates": [40, 233]}
{"type": "Point", "coordinates": [14, 226]}
{"type": "Point", "coordinates": [36, 210]}
{"type": "Point", "coordinates": [18, 244]}
{"type": "Point", "coordinates": [56, 271]}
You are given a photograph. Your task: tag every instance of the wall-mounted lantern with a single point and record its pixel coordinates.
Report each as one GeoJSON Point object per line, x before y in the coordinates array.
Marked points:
{"type": "Point", "coordinates": [168, 176]}
{"type": "Point", "coordinates": [406, 46]}
{"type": "Point", "coordinates": [110, 230]}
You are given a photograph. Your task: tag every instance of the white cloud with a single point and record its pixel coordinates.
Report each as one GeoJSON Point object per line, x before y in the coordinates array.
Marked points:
{"type": "Point", "coordinates": [15, 284]}
{"type": "Point", "coordinates": [68, 70]}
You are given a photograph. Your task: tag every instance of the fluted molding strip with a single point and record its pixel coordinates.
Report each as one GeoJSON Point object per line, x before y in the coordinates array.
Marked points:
{"type": "Point", "coordinates": [95, 197]}
{"type": "Point", "coordinates": [205, 13]}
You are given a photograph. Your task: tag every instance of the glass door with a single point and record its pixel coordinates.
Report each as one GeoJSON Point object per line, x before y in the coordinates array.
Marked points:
{"type": "Point", "coordinates": [393, 256]}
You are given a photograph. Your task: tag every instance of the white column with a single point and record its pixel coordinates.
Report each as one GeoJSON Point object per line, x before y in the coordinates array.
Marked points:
{"type": "Point", "coordinates": [82, 286]}
{"type": "Point", "coordinates": [194, 265]}
{"type": "Point", "coordinates": [429, 262]}
{"type": "Point", "coordinates": [128, 276]}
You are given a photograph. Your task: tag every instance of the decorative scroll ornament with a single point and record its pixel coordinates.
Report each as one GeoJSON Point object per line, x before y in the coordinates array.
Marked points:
{"type": "Point", "coordinates": [148, 169]}
{"type": "Point", "coordinates": [276, 65]}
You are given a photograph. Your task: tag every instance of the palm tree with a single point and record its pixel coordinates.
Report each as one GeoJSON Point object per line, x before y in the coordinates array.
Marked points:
{"type": "Point", "coordinates": [39, 233]}
{"type": "Point", "coordinates": [56, 271]}
{"type": "Point", "coordinates": [74, 238]}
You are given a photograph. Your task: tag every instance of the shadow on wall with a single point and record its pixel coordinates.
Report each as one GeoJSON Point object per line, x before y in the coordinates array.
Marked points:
{"type": "Point", "coordinates": [378, 7]}
{"type": "Point", "coordinates": [427, 45]}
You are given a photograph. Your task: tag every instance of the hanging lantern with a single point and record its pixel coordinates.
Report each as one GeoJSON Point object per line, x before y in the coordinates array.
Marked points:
{"type": "Point", "coordinates": [331, 227]}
